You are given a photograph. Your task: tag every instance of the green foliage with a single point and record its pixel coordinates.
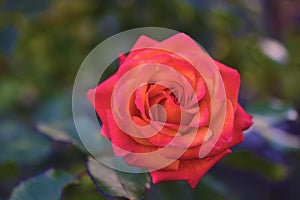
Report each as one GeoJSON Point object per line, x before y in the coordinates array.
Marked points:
{"type": "Point", "coordinates": [47, 186]}
{"type": "Point", "coordinates": [83, 190]}
{"type": "Point", "coordinates": [62, 131]}
{"type": "Point", "coordinates": [250, 162]}
{"type": "Point", "coordinates": [19, 144]}
{"type": "Point", "coordinates": [114, 183]}
{"type": "Point", "coordinates": [118, 184]}
{"type": "Point", "coordinates": [208, 188]}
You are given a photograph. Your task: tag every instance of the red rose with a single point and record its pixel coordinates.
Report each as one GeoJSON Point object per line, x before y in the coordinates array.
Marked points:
{"type": "Point", "coordinates": [172, 109]}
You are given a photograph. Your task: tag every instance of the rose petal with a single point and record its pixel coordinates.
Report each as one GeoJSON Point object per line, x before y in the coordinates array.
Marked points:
{"type": "Point", "coordinates": [122, 59]}
{"type": "Point", "coordinates": [227, 133]}
{"type": "Point", "coordinates": [100, 98]}
{"type": "Point", "coordinates": [195, 138]}
{"type": "Point", "coordinates": [181, 154]}
{"type": "Point", "coordinates": [142, 101]}
{"type": "Point", "coordinates": [152, 161]}
{"type": "Point", "coordinates": [202, 117]}
{"type": "Point", "coordinates": [173, 111]}
{"type": "Point", "coordinates": [243, 119]}
{"type": "Point", "coordinates": [144, 42]}
{"type": "Point", "coordinates": [231, 79]}
{"type": "Point", "coordinates": [122, 142]}
{"type": "Point", "coordinates": [190, 170]}
{"type": "Point", "coordinates": [242, 122]}
{"type": "Point", "coordinates": [184, 68]}
{"type": "Point", "coordinates": [179, 43]}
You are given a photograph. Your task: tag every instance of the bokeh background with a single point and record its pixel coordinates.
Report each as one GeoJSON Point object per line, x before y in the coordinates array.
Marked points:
{"type": "Point", "coordinates": [43, 43]}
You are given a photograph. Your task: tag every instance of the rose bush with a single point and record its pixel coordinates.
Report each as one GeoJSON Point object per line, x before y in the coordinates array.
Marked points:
{"type": "Point", "coordinates": [171, 108]}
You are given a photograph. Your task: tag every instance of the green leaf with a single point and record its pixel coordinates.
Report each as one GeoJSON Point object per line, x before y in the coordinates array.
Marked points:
{"type": "Point", "coordinates": [248, 161]}
{"type": "Point", "coordinates": [215, 185]}
{"type": "Point", "coordinates": [81, 191]}
{"type": "Point", "coordinates": [91, 141]}
{"type": "Point", "coordinates": [46, 186]}
{"type": "Point", "coordinates": [180, 190]}
{"type": "Point", "coordinates": [21, 145]}
{"type": "Point", "coordinates": [208, 188]}
{"type": "Point", "coordinates": [118, 184]}
{"type": "Point", "coordinates": [62, 131]}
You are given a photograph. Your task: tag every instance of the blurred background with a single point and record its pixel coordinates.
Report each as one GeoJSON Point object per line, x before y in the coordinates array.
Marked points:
{"type": "Point", "coordinates": [43, 43]}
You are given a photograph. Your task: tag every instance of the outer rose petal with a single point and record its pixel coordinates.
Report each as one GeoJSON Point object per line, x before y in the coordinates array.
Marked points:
{"type": "Point", "coordinates": [242, 122]}
{"type": "Point", "coordinates": [227, 133]}
{"type": "Point", "coordinates": [100, 98]}
{"type": "Point", "coordinates": [231, 79]}
{"type": "Point", "coordinates": [179, 43]}
{"type": "Point", "coordinates": [243, 119]}
{"type": "Point", "coordinates": [144, 42]}
{"type": "Point", "coordinates": [190, 170]}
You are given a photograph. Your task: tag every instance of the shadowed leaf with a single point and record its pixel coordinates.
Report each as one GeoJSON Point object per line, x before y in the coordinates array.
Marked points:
{"type": "Point", "coordinates": [250, 162]}
{"type": "Point", "coordinates": [64, 132]}
{"type": "Point", "coordinates": [21, 145]}
{"type": "Point", "coordinates": [46, 186]}
{"type": "Point", "coordinates": [118, 184]}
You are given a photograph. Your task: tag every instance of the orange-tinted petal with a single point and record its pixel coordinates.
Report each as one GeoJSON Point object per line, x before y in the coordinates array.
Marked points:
{"type": "Point", "coordinates": [231, 79]}
{"type": "Point", "coordinates": [190, 170]}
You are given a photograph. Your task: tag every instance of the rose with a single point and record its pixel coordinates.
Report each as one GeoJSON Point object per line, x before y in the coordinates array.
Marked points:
{"type": "Point", "coordinates": [170, 108]}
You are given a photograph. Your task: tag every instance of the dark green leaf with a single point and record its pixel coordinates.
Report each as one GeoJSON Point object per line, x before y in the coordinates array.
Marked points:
{"type": "Point", "coordinates": [208, 188]}
{"type": "Point", "coordinates": [84, 190]}
{"type": "Point", "coordinates": [91, 141]}
{"type": "Point", "coordinates": [21, 145]}
{"type": "Point", "coordinates": [62, 131]}
{"type": "Point", "coordinates": [46, 186]}
{"type": "Point", "coordinates": [116, 183]}
{"type": "Point", "coordinates": [214, 185]}
{"type": "Point", "coordinates": [248, 161]}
